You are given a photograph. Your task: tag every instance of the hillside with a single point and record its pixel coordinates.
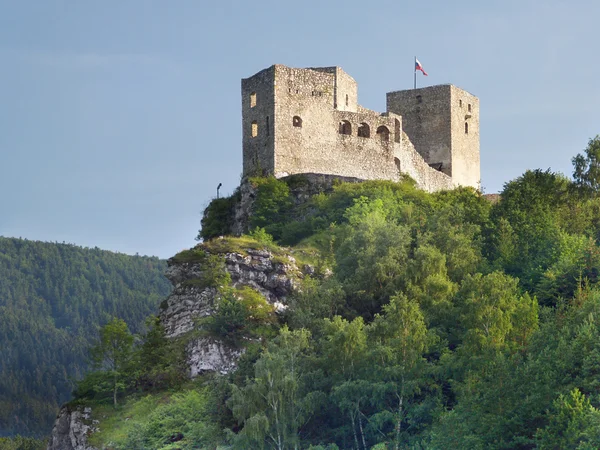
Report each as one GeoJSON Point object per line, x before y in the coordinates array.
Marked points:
{"type": "Point", "coordinates": [371, 316]}
{"type": "Point", "coordinates": [53, 298]}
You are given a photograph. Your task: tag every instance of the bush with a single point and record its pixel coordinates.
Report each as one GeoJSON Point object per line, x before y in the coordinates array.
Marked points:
{"type": "Point", "coordinates": [218, 216]}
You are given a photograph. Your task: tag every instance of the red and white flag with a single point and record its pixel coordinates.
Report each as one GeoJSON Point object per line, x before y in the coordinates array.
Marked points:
{"type": "Point", "coordinates": [418, 66]}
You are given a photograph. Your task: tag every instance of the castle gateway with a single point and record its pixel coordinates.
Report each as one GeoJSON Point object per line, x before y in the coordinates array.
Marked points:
{"type": "Point", "coordinates": [309, 121]}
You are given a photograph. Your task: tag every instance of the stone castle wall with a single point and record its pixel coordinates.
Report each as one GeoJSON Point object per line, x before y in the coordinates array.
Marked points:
{"type": "Point", "coordinates": [434, 119]}
{"type": "Point", "coordinates": [299, 121]}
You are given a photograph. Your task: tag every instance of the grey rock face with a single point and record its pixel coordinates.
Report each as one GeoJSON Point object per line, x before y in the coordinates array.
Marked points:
{"type": "Point", "coordinates": [208, 354]}
{"type": "Point", "coordinates": [184, 305]}
{"type": "Point", "coordinates": [70, 430]}
{"type": "Point", "coordinates": [258, 269]}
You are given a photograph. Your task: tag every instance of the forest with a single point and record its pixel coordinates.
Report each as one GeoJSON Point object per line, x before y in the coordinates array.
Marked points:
{"type": "Point", "coordinates": [449, 320]}
{"type": "Point", "coordinates": [53, 299]}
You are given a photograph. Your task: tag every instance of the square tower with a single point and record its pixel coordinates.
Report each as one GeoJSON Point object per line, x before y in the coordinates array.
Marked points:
{"type": "Point", "coordinates": [442, 122]}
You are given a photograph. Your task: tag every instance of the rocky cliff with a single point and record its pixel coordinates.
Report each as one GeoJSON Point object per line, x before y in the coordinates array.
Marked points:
{"type": "Point", "coordinates": [72, 428]}
{"type": "Point", "coordinates": [271, 273]}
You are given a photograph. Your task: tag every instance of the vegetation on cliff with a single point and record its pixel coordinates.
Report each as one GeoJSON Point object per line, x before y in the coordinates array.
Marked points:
{"type": "Point", "coordinates": [431, 321]}
{"type": "Point", "coordinates": [53, 298]}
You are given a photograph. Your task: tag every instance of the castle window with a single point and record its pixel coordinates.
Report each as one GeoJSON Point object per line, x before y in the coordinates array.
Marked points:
{"type": "Point", "coordinates": [466, 128]}
{"type": "Point", "coordinates": [364, 130]}
{"type": "Point", "coordinates": [346, 99]}
{"type": "Point", "coordinates": [297, 121]}
{"type": "Point", "coordinates": [383, 133]}
{"type": "Point", "coordinates": [345, 127]}
{"type": "Point", "coordinates": [254, 128]}
{"type": "Point", "coordinates": [419, 99]}
{"type": "Point", "coordinates": [252, 99]}
{"type": "Point", "coordinates": [460, 103]}
{"type": "Point", "coordinates": [267, 127]}
{"type": "Point", "coordinates": [469, 107]}
{"type": "Point", "coordinates": [397, 131]}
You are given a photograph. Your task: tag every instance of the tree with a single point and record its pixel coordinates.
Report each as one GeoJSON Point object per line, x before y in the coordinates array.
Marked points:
{"type": "Point", "coordinates": [113, 352]}
{"type": "Point", "coordinates": [586, 169]}
{"type": "Point", "coordinates": [399, 340]}
{"type": "Point", "coordinates": [574, 423]}
{"type": "Point", "coordinates": [272, 406]}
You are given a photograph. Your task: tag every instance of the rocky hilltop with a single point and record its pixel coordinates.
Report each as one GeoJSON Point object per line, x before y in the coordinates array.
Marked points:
{"type": "Point", "coordinates": [198, 276]}
{"type": "Point", "coordinates": [270, 273]}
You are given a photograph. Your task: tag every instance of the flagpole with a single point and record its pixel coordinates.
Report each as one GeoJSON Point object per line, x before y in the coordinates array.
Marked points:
{"type": "Point", "coordinates": [415, 69]}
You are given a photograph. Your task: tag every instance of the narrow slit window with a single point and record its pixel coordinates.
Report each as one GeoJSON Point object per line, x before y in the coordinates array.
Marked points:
{"type": "Point", "coordinates": [252, 99]}
{"type": "Point", "coordinates": [466, 128]}
{"type": "Point", "coordinates": [267, 127]}
{"type": "Point", "coordinates": [254, 129]}
{"type": "Point", "coordinates": [346, 99]}
{"type": "Point", "coordinates": [460, 103]}
{"type": "Point", "coordinates": [297, 121]}
{"type": "Point", "coordinates": [469, 107]}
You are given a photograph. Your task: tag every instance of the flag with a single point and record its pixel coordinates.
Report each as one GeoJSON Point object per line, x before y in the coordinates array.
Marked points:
{"type": "Point", "coordinates": [418, 66]}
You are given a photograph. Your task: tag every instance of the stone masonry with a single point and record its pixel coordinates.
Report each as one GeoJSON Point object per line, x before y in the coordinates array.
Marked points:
{"type": "Point", "coordinates": [298, 121]}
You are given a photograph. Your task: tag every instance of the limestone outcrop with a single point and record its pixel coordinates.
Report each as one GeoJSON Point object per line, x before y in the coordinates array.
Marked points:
{"type": "Point", "coordinates": [72, 428]}
{"type": "Point", "coordinates": [272, 275]}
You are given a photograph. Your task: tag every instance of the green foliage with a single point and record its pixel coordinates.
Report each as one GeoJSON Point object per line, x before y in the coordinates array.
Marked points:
{"type": "Point", "coordinates": [53, 297]}
{"type": "Point", "coordinates": [22, 443]}
{"type": "Point", "coordinates": [273, 406]}
{"type": "Point", "coordinates": [574, 423]}
{"type": "Point", "coordinates": [218, 216]}
{"type": "Point", "coordinates": [261, 235]}
{"type": "Point", "coordinates": [272, 203]}
{"type": "Point", "coordinates": [113, 354]}
{"type": "Point", "coordinates": [240, 314]}
{"type": "Point", "coordinates": [164, 421]}
{"type": "Point", "coordinates": [586, 169]}
{"type": "Point", "coordinates": [159, 362]}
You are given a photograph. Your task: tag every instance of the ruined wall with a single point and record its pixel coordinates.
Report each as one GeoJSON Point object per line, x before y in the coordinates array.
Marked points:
{"type": "Point", "coordinates": [258, 150]}
{"type": "Point", "coordinates": [318, 146]}
{"type": "Point", "coordinates": [412, 164]}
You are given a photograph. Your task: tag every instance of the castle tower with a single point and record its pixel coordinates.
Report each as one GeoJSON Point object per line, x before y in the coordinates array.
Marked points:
{"type": "Point", "coordinates": [442, 122]}
{"type": "Point", "coordinates": [258, 131]}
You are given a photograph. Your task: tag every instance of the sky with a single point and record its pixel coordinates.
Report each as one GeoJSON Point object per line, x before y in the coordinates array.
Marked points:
{"type": "Point", "coordinates": [118, 118]}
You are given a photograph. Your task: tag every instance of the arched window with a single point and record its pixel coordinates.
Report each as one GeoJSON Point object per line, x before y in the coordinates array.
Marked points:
{"type": "Point", "coordinates": [254, 128]}
{"type": "Point", "coordinates": [345, 127]}
{"type": "Point", "coordinates": [364, 130]}
{"type": "Point", "coordinates": [252, 99]}
{"type": "Point", "coordinates": [397, 131]}
{"type": "Point", "coordinates": [297, 121]}
{"type": "Point", "coordinates": [384, 133]}
{"type": "Point", "coordinates": [466, 128]}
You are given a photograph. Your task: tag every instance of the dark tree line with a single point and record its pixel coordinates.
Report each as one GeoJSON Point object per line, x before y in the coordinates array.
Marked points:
{"type": "Point", "coordinates": [53, 298]}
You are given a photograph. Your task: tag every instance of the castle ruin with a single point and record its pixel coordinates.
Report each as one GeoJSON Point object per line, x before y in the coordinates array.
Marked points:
{"type": "Point", "coordinates": [301, 121]}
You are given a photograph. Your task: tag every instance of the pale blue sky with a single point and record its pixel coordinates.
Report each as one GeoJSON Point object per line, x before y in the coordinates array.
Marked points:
{"type": "Point", "coordinates": [119, 118]}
